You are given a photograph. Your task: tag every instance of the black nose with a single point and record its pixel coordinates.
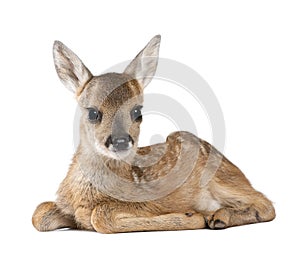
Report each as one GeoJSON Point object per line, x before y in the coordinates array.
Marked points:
{"type": "Point", "coordinates": [119, 143]}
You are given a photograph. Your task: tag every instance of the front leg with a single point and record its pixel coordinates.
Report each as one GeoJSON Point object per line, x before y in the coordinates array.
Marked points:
{"type": "Point", "coordinates": [110, 218]}
{"type": "Point", "coordinates": [48, 217]}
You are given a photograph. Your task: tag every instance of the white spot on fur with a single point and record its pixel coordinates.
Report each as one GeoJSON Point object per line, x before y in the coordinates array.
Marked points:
{"type": "Point", "coordinates": [206, 202]}
{"type": "Point", "coordinates": [135, 177]}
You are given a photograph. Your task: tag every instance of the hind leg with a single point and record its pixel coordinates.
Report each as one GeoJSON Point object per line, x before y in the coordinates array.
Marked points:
{"type": "Point", "coordinates": [252, 208]}
{"type": "Point", "coordinates": [48, 217]}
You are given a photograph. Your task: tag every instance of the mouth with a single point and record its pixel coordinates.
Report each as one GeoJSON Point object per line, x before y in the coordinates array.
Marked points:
{"type": "Point", "coordinates": [119, 144]}
{"type": "Point", "coordinates": [120, 149]}
{"type": "Point", "coordinates": [117, 149]}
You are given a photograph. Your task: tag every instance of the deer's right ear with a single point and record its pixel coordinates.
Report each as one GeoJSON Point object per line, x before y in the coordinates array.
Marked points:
{"type": "Point", "coordinates": [70, 69]}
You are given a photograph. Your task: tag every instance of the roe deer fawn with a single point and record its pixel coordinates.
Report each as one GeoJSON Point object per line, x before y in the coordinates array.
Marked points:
{"type": "Point", "coordinates": [115, 186]}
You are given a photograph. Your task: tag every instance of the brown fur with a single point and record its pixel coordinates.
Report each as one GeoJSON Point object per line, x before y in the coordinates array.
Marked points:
{"type": "Point", "coordinates": [210, 191]}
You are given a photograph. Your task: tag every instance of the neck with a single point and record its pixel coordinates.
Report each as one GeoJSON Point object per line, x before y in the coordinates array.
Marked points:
{"type": "Point", "coordinates": [91, 161]}
{"type": "Point", "coordinates": [141, 178]}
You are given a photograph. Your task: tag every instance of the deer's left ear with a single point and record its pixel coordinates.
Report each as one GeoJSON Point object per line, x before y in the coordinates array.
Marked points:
{"type": "Point", "coordinates": [143, 66]}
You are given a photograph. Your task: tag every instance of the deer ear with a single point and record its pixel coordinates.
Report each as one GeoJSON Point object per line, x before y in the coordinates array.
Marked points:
{"type": "Point", "coordinates": [69, 67]}
{"type": "Point", "coordinates": [143, 66]}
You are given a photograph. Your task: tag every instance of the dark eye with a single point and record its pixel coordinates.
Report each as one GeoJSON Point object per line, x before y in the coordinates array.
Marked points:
{"type": "Point", "coordinates": [136, 113]}
{"type": "Point", "coordinates": [94, 115]}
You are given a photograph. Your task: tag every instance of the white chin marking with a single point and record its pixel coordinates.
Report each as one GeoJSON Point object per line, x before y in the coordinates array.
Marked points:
{"type": "Point", "coordinates": [104, 151]}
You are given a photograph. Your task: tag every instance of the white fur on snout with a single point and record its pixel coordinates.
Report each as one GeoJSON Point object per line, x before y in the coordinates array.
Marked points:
{"type": "Point", "coordinates": [111, 148]}
{"type": "Point", "coordinates": [106, 152]}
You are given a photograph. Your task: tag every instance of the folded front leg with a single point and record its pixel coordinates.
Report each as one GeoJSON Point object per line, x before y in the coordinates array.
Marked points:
{"type": "Point", "coordinates": [112, 219]}
{"type": "Point", "coordinates": [48, 217]}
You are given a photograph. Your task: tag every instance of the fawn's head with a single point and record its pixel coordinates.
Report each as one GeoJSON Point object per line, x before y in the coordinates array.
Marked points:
{"type": "Point", "coordinates": [110, 103]}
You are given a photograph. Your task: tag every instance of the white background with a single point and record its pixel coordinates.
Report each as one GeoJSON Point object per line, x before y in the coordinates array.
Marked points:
{"type": "Point", "coordinates": [248, 52]}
